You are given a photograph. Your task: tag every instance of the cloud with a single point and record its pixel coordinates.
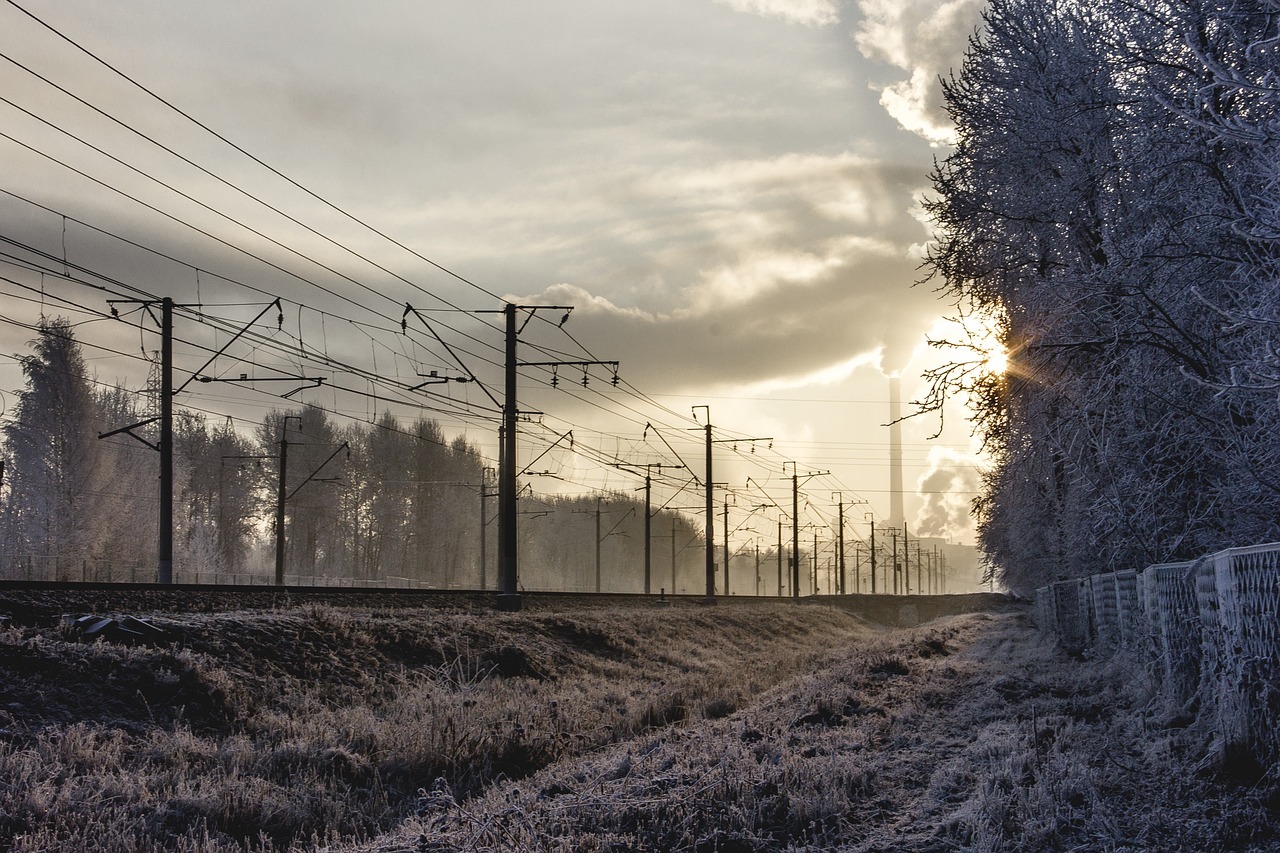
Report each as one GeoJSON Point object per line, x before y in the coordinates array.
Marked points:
{"type": "Point", "coordinates": [786, 333]}
{"type": "Point", "coordinates": [766, 270]}
{"type": "Point", "coordinates": [947, 490]}
{"type": "Point", "coordinates": [925, 39]}
{"type": "Point", "coordinates": [815, 13]}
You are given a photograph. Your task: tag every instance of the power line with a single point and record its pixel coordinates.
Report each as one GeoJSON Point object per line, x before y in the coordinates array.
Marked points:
{"type": "Point", "coordinates": [372, 376]}
{"type": "Point", "coordinates": [252, 157]}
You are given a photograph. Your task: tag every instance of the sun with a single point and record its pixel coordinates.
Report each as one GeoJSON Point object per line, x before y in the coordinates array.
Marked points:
{"type": "Point", "coordinates": [996, 359]}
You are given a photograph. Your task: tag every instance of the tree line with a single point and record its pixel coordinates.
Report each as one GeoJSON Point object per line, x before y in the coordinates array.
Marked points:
{"type": "Point", "coordinates": [367, 503]}
{"type": "Point", "coordinates": [1111, 206]}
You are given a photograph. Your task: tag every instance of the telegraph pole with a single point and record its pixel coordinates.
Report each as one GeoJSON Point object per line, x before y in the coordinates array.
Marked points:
{"type": "Point", "coordinates": [485, 494]}
{"type": "Point", "coordinates": [280, 493]}
{"type": "Point", "coordinates": [814, 559]}
{"type": "Point", "coordinates": [597, 543]}
{"type": "Point", "coordinates": [711, 552]}
{"type": "Point", "coordinates": [164, 568]}
{"type": "Point", "coordinates": [508, 594]}
{"type": "Point", "coordinates": [648, 521]}
{"type": "Point", "coordinates": [648, 530]}
{"type": "Point", "coordinates": [906, 562]}
{"type": "Point", "coordinates": [165, 573]}
{"type": "Point", "coordinates": [757, 566]}
{"type": "Point", "coordinates": [897, 566]}
{"type": "Point", "coordinates": [795, 533]}
{"type": "Point", "coordinates": [841, 552]}
{"type": "Point", "coordinates": [508, 574]}
{"type": "Point", "coordinates": [795, 524]}
{"type": "Point", "coordinates": [920, 590]}
{"type": "Point", "coordinates": [675, 523]}
{"type": "Point", "coordinates": [726, 544]}
{"type": "Point", "coordinates": [710, 509]}
{"type": "Point", "coordinates": [598, 512]}
{"type": "Point", "coordinates": [779, 555]}
{"type": "Point", "coordinates": [710, 513]}
{"type": "Point", "coordinates": [282, 497]}
{"type": "Point", "coordinates": [873, 554]}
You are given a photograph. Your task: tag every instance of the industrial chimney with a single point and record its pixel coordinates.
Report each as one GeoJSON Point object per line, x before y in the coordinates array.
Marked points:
{"type": "Point", "coordinates": [896, 514]}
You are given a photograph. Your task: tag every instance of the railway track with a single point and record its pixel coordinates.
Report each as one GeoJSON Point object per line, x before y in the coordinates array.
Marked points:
{"type": "Point", "coordinates": [39, 602]}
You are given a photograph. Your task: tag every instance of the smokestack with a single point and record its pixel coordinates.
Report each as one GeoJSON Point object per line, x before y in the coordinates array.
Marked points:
{"type": "Point", "coordinates": [896, 514]}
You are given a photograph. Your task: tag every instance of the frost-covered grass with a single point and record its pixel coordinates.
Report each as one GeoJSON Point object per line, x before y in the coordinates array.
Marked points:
{"type": "Point", "coordinates": [319, 726]}
{"type": "Point", "coordinates": [768, 727]}
{"type": "Point", "coordinates": [962, 735]}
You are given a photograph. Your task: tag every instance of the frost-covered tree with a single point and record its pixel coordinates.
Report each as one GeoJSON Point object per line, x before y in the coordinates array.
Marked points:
{"type": "Point", "coordinates": [1108, 155]}
{"type": "Point", "coordinates": [313, 524]}
{"type": "Point", "coordinates": [219, 496]}
{"type": "Point", "coordinates": [383, 458]}
{"type": "Point", "coordinates": [446, 508]}
{"type": "Point", "coordinates": [52, 449]}
{"type": "Point", "coordinates": [126, 517]}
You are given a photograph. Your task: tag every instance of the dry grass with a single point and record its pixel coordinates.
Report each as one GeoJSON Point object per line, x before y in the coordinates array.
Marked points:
{"type": "Point", "coordinates": [731, 729]}
{"type": "Point", "coordinates": [312, 726]}
{"type": "Point", "coordinates": [963, 735]}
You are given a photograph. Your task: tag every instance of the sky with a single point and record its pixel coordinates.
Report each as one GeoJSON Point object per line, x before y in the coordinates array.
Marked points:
{"type": "Point", "coordinates": [728, 192]}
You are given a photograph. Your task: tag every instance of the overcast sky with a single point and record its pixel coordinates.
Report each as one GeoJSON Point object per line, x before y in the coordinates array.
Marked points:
{"type": "Point", "coordinates": [728, 192]}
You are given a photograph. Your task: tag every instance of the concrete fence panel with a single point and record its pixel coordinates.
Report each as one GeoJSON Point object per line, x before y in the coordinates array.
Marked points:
{"type": "Point", "coordinates": [1071, 616]}
{"type": "Point", "coordinates": [1247, 582]}
{"type": "Point", "coordinates": [1106, 626]}
{"type": "Point", "coordinates": [1177, 626]}
{"type": "Point", "coordinates": [1044, 610]}
{"type": "Point", "coordinates": [1208, 632]}
{"type": "Point", "coordinates": [1128, 611]}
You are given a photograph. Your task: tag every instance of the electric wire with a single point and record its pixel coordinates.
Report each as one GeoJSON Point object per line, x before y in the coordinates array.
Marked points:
{"type": "Point", "coordinates": [636, 392]}
{"type": "Point", "coordinates": [252, 157]}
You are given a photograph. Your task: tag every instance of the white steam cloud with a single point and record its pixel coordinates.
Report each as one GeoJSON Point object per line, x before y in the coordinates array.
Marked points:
{"type": "Point", "coordinates": [947, 489]}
